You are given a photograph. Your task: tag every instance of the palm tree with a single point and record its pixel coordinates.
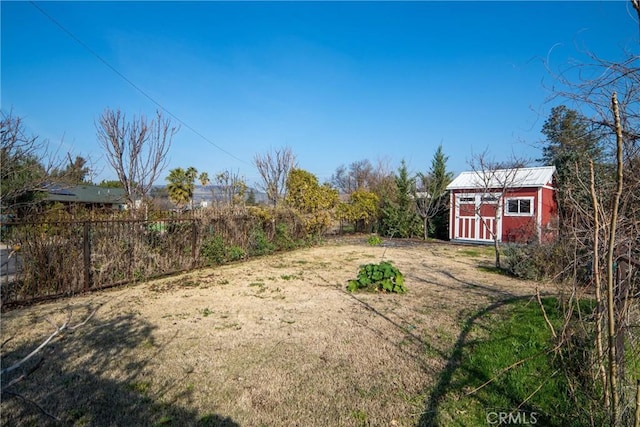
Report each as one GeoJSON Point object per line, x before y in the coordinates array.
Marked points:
{"type": "Point", "coordinates": [181, 186]}
{"type": "Point", "coordinates": [205, 181]}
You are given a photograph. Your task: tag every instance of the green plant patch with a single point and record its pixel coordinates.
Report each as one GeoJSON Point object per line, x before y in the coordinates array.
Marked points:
{"type": "Point", "coordinates": [374, 240]}
{"type": "Point", "coordinates": [259, 243]}
{"type": "Point", "coordinates": [235, 253]}
{"type": "Point", "coordinates": [360, 416]}
{"type": "Point", "coordinates": [141, 387]}
{"type": "Point", "coordinates": [213, 250]}
{"type": "Point", "coordinates": [283, 238]}
{"type": "Point", "coordinates": [258, 284]}
{"type": "Point", "coordinates": [382, 277]}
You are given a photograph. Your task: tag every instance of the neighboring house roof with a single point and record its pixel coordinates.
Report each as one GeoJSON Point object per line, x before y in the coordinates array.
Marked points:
{"type": "Point", "coordinates": [90, 194]}
{"type": "Point", "coordinates": [524, 177]}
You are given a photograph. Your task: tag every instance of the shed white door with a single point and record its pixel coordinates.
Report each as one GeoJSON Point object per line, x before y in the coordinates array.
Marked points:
{"type": "Point", "coordinates": [475, 217]}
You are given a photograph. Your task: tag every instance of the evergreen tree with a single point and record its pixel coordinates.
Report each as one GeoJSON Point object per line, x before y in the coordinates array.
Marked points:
{"type": "Point", "coordinates": [399, 217]}
{"type": "Point", "coordinates": [571, 143]}
{"type": "Point", "coordinates": [110, 184]}
{"type": "Point", "coordinates": [76, 172]}
{"type": "Point", "coordinates": [251, 198]}
{"type": "Point", "coordinates": [432, 200]}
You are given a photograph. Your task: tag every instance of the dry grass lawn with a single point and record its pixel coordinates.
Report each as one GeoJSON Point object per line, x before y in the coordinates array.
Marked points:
{"type": "Point", "coordinates": [275, 341]}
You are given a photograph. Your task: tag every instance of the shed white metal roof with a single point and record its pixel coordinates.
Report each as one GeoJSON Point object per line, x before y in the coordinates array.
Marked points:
{"type": "Point", "coordinates": [512, 178]}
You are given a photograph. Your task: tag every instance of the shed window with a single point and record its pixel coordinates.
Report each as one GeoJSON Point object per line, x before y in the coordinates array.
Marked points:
{"type": "Point", "coordinates": [522, 206]}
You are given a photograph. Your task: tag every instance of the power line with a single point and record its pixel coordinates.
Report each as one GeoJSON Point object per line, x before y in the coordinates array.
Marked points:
{"type": "Point", "coordinates": [136, 87]}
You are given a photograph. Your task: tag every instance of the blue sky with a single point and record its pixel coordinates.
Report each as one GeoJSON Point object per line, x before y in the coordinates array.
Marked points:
{"type": "Point", "coordinates": [335, 81]}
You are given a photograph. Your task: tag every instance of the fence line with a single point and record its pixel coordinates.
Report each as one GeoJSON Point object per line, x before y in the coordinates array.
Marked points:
{"type": "Point", "coordinates": [69, 257]}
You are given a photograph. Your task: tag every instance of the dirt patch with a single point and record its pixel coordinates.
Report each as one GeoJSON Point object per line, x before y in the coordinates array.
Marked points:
{"type": "Point", "coordinates": [273, 341]}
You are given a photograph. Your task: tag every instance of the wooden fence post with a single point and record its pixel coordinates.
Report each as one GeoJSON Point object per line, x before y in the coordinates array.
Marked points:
{"type": "Point", "coordinates": [86, 249]}
{"type": "Point", "coordinates": [194, 240]}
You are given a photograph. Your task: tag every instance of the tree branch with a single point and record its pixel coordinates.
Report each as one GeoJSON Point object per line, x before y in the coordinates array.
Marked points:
{"type": "Point", "coordinates": [544, 314]}
{"type": "Point", "coordinates": [58, 331]}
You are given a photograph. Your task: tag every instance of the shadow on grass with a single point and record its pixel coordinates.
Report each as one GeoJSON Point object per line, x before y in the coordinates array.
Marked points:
{"type": "Point", "coordinates": [459, 376]}
{"type": "Point", "coordinates": [444, 384]}
{"type": "Point", "coordinates": [502, 297]}
{"type": "Point", "coordinates": [479, 289]}
{"type": "Point", "coordinates": [90, 376]}
{"type": "Point", "coordinates": [448, 403]}
{"type": "Point", "coordinates": [404, 328]}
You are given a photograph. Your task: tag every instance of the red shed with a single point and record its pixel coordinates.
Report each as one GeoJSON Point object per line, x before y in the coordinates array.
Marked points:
{"type": "Point", "coordinates": [516, 205]}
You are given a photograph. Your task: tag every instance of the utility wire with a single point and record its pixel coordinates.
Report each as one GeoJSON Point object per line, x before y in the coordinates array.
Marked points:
{"type": "Point", "coordinates": [136, 87]}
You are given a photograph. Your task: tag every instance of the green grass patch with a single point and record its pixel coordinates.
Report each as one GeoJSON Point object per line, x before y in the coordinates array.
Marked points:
{"type": "Point", "coordinates": [147, 344]}
{"type": "Point", "coordinates": [475, 252]}
{"type": "Point", "coordinates": [374, 240]}
{"type": "Point", "coordinates": [165, 420]}
{"type": "Point", "coordinates": [256, 284]}
{"type": "Point", "coordinates": [504, 364]}
{"type": "Point", "coordinates": [141, 387]}
{"type": "Point", "coordinates": [360, 416]}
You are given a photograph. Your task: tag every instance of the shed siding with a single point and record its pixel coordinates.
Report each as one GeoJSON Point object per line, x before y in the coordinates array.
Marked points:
{"type": "Point", "coordinates": [538, 225]}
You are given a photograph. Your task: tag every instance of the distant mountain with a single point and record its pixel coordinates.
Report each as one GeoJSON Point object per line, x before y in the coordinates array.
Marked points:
{"type": "Point", "coordinates": [211, 192]}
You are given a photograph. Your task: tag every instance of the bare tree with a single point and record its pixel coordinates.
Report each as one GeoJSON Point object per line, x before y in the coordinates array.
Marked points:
{"type": "Point", "coordinates": [23, 171]}
{"type": "Point", "coordinates": [494, 181]}
{"type": "Point", "coordinates": [341, 180]}
{"type": "Point", "coordinates": [608, 94]}
{"type": "Point", "coordinates": [27, 167]}
{"type": "Point", "coordinates": [136, 149]}
{"type": "Point", "coordinates": [361, 175]}
{"type": "Point", "coordinates": [274, 167]}
{"type": "Point", "coordinates": [358, 176]}
{"type": "Point", "coordinates": [233, 187]}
